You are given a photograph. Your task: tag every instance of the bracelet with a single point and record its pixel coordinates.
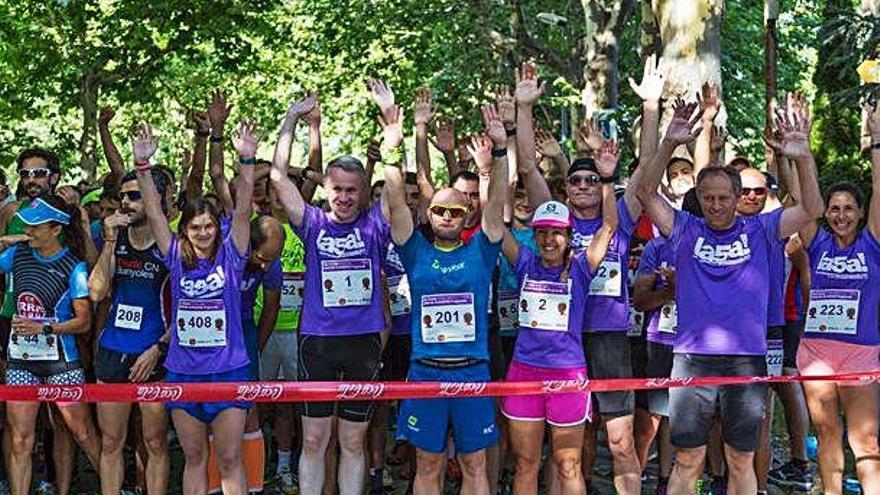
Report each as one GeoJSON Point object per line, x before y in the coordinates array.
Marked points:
{"type": "Point", "coordinates": [216, 139]}
{"type": "Point", "coordinates": [247, 161]}
{"type": "Point", "coordinates": [499, 152]}
{"type": "Point", "coordinates": [510, 132]}
{"type": "Point", "coordinates": [606, 180]}
{"type": "Point", "coordinates": [203, 134]}
{"type": "Point", "coordinates": [142, 166]}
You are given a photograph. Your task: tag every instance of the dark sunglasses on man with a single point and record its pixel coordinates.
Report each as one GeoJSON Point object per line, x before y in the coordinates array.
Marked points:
{"type": "Point", "coordinates": [130, 195]}
{"type": "Point", "coordinates": [759, 191]}
{"type": "Point", "coordinates": [576, 180]}
{"type": "Point", "coordinates": [454, 211]}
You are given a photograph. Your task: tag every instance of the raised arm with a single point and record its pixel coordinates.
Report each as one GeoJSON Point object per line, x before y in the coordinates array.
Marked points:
{"type": "Point", "coordinates": [874, 209]}
{"type": "Point", "coordinates": [144, 147]}
{"type": "Point", "coordinates": [549, 147]}
{"type": "Point", "coordinates": [650, 90]}
{"type": "Point", "coordinates": [606, 163]}
{"type": "Point", "coordinates": [218, 112]}
{"type": "Point", "coordinates": [316, 153]}
{"type": "Point", "coordinates": [111, 152]}
{"type": "Point", "coordinates": [101, 278]}
{"type": "Point", "coordinates": [444, 142]}
{"type": "Point", "coordinates": [795, 123]}
{"type": "Point", "coordinates": [288, 195]}
{"type": "Point", "coordinates": [245, 141]}
{"type": "Point", "coordinates": [710, 104]}
{"type": "Point", "coordinates": [193, 183]}
{"type": "Point", "coordinates": [395, 191]}
{"type": "Point", "coordinates": [490, 154]}
{"type": "Point", "coordinates": [682, 129]}
{"type": "Point", "coordinates": [527, 93]}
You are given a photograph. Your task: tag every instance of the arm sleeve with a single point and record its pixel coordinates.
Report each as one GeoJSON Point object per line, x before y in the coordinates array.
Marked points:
{"type": "Point", "coordinates": [310, 216]}
{"type": "Point", "coordinates": [679, 227]}
{"type": "Point", "coordinates": [79, 281]}
{"type": "Point", "coordinates": [626, 225]}
{"type": "Point", "coordinates": [648, 261]}
{"type": "Point", "coordinates": [6, 258]}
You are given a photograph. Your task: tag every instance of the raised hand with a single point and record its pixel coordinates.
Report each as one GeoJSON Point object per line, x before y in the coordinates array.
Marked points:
{"type": "Point", "coordinates": [245, 139]}
{"type": "Point", "coordinates": [710, 103]}
{"type": "Point", "coordinates": [589, 138]}
{"type": "Point", "coordinates": [719, 137]}
{"type": "Point", "coordinates": [392, 129]}
{"type": "Point", "coordinates": [607, 158]}
{"type": "Point", "coordinates": [506, 106]}
{"type": "Point", "coordinates": [793, 124]}
{"type": "Point", "coordinates": [200, 122]}
{"type": "Point", "coordinates": [144, 144]}
{"type": "Point", "coordinates": [423, 108]}
{"type": "Point", "coordinates": [683, 128]}
{"type": "Point", "coordinates": [547, 145]}
{"type": "Point", "coordinates": [445, 132]}
{"type": "Point", "coordinates": [384, 97]}
{"type": "Point", "coordinates": [106, 115]}
{"type": "Point", "coordinates": [527, 88]}
{"type": "Point", "coordinates": [494, 127]}
{"type": "Point", "coordinates": [653, 80]}
{"type": "Point", "coordinates": [313, 118]}
{"type": "Point", "coordinates": [481, 151]}
{"type": "Point", "coordinates": [218, 110]}
{"type": "Point", "coordinates": [114, 222]}
{"type": "Point", "coordinates": [303, 106]}
{"type": "Point", "coordinates": [374, 153]}
{"type": "Point", "coordinates": [873, 122]}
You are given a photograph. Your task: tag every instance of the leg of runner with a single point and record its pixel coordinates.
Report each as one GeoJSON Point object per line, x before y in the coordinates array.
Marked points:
{"type": "Point", "coordinates": [588, 457]}
{"type": "Point", "coordinates": [352, 456]}
{"type": "Point", "coordinates": [687, 470]}
{"type": "Point", "coordinates": [228, 429]}
{"type": "Point", "coordinates": [741, 471]}
{"type": "Point", "coordinates": [316, 435]}
{"type": "Point", "coordinates": [526, 441]}
{"type": "Point", "coordinates": [763, 456]}
{"type": "Point", "coordinates": [430, 466]}
{"type": "Point", "coordinates": [797, 419]}
{"type": "Point", "coordinates": [155, 428]}
{"type": "Point", "coordinates": [113, 422]}
{"type": "Point", "coordinates": [627, 472]}
{"type": "Point", "coordinates": [567, 443]}
{"type": "Point", "coordinates": [63, 452]}
{"type": "Point", "coordinates": [21, 421]}
{"type": "Point", "coordinates": [331, 460]}
{"type": "Point", "coordinates": [861, 406]}
{"type": "Point", "coordinates": [646, 426]}
{"type": "Point", "coordinates": [474, 480]}
{"type": "Point", "coordinates": [78, 418]}
{"type": "Point", "coordinates": [666, 451]}
{"type": "Point", "coordinates": [823, 402]}
{"type": "Point", "coordinates": [193, 436]}
{"type": "Point", "coordinates": [376, 442]}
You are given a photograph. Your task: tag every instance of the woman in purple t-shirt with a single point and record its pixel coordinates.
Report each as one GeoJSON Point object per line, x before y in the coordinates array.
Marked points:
{"type": "Point", "coordinates": [841, 328]}
{"type": "Point", "coordinates": [207, 341]}
{"type": "Point", "coordinates": [553, 290]}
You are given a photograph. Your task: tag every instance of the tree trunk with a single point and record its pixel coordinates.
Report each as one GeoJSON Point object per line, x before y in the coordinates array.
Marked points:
{"type": "Point", "coordinates": [771, 13]}
{"type": "Point", "coordinates": [649, 35]}
{"type": "Point", "coordinates": [88, 100]}
{"type": "Point", "coordinates": [601, 54]}
{"type": "Point", "coordinates": [690, 32]}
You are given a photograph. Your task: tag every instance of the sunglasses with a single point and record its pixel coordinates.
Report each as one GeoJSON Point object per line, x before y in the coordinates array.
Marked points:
{"type": "Point", "coordinates": [130, 195]}
{"type": "Point", "coordinates": [759, 191]}
{"type": "Point", "coordinates": [576, 180]}
{"type": "Point", "coordinates": [34, 173]}
{"type": "Point", "coordinates": [454, 211]}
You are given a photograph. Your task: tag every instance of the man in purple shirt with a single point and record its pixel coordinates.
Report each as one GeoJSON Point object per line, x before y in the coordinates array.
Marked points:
{"type": "Point", "coordinates": [722, 269]}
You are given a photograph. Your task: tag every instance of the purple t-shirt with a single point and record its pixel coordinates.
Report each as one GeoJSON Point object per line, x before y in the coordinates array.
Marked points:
{"type": "Point", "coordinates": [207, 297]}
{"type": "Point", "coordinates": [399, 298]}
{"type": "Point", "coordinates": [541, 288]}
{"type": "Point", "coordinates": [658, 254]}
{"type": "Point", "coordinates": [609, 304]}
{"type": "Point", "coordinates": [250, 282]}
{"type": "Point", "coordinates": [722, 284]}
{"type": "Point", "coordinates": [844, 298]}
{"type": "Point", "coordinates": [343, 269]}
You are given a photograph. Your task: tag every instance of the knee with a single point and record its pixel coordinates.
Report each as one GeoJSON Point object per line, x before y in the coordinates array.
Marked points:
{"type": "Point", "coordinates": [738, 461]}
{"type": "Point", "coordinates": [112, 443]}
{"type": "Point", "coordinates": [314, 442]}
{"type": "Point", "coordinates": [156, 444]}
{"type": "Point", "coordinates": [527, 464]}
{"type": "Point", "coordinates": [689, 458]}
{"type": "Point", "coordinates": [352, 443]}
{"type": "Point", "coordinates": [429, 466]}
{"type": "Point", "coordinates": [229, 457]}
{"type": "Point", "coordinates": [829, 428]}
{"type": "Point", "coordinates": [83, 432]}
{"type": "Point", "coordinates": [195, 455]}
{"type": "Point", "coordinates": [568, 467]}
{"type": "Point", "coordinates": [21, 443]}
{"type": "Point", "coordinates": [473, 466]}
{"type": "Point", "coordinates": [620, 442]}
{"type": "Point", "coordinates": [863, 443]}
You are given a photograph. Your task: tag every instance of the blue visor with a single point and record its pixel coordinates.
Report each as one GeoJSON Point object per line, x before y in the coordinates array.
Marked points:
{"type": "Point", "coordinates": [41, 212]}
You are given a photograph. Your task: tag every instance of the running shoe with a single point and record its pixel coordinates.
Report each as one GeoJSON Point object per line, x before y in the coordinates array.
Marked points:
{"type": "Point", "coordinates": [792, 474]}
{"type": "Point", "coordinates": [284, 481]}
{"type": "Point", "coordinates": [44, 488]}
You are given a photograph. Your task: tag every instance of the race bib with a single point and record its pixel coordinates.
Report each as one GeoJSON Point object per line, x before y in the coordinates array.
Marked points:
{"type": "Point", "coordinates": [833, 311]}
{"type": "Point", "coordinates": [508, 312]}
{"type": "Point", "coordinates": [544, 305]}
{"type": "Point", "coordinates": [292, 291]}
{"type": "Point", "coordinates": [129, 317]}
{"type": "Point", "coordinates": [668, 321]}
{"type": "Point", "coordinates": [398, 295]}
{"type": "Point", "coordinates": [347, 282]}
{"type": "Point", "coordinates": [448, 318]}
{"type": "Point", "coordinates": [608, 279]}
{"type": "Point", "coordinates": [774, 357]}
{"type": "Point", "coordinates": [636, 321]}
{"type": "Point", "coordinates": [37, 347]}
{"type": "Point", "coordinates": [201, 323]}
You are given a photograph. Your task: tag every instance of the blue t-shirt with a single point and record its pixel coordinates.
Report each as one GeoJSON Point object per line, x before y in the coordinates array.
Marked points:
{"type": "Point", "coordinates": [33, 287]}
{"type": "Point", "coordinates": [450, 296]}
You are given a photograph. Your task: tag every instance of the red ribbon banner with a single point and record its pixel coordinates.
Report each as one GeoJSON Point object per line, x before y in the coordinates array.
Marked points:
{"type": "Point", "coordinates": [345, 391]}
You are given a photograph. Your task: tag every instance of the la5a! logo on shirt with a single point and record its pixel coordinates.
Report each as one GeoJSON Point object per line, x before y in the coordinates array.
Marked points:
{"type": "Point", "coordinates": [209, 286]}
{"type": "Point", "coordinates": [341, 247]}
{"type": "Point", "coordinates": [843, 266]}
{"type": "Point", "coordinates": [723, 254]}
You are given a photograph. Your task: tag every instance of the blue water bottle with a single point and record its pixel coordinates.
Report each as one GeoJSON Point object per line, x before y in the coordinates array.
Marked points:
{"type": "Point", "coordinates": [812, 447]}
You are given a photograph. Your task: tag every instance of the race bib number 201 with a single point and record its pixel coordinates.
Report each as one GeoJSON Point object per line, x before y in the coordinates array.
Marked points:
{"type": "Point", "coordinates": [448, 318]}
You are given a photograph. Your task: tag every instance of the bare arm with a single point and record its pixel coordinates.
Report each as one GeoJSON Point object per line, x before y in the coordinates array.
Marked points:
{"type": "Point", "coordinates": [527, 93]}
{"type": "Point", "coordinates": [510, 247]}
{"type": "Point", "coordinates": [874, 210]}
{"type": "Point", "coordinates": [710, 104]}
{"type": "Point", "coordinates": [218, 112]}
{"type": "Point", "coordinates": [423, 114]}
{"type": "Point", "coordinates": [195, 180]}
{"type": "Point", "coordinates": [395, 192]}
{"type": "Point", "coordinates": [606, 163]}
{"type": "Point", "coordinates": [646, 298]}
{"type": "Point", "coordinates": [81, 321]}
{"type": "Point", "coordinates": [484, 149]}
{"type": "Point", "coordinates": [316, 152]}
{"type": "Point", "coordinates": [111, 152]}
{"type": "Point", "coordinates": [650, 91]}
{"type": "Point", "coordinates": [288, 195]}
{"type": "Point", "coordinates": [269, 316]}
{"type": "Point", "coordinates": [101, 278]}
{"type": "Point", "coordinates": [144, 148]}
{"type": "Point", "coordinates": [245, 141]}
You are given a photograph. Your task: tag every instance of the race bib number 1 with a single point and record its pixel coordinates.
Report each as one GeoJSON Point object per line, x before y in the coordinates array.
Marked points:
{"type": "Point", "coordinates": [129, 317]}
{"type": "Point", "coordinates": [346, 283]}
{"type": "Point", "coordinates": [201, 323]}
{"type": "Point", "coordinates": [292, 291]}
{"type": "Point", "coordinates": [609, 277]}
{"type": "Point", "coordinates": [448, 318]}
{"type": "Point", "coordinates": [833, 311]}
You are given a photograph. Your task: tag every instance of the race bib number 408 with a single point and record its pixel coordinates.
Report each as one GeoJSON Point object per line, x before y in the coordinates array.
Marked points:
{"type": "Point", "coordinates": [201, 323]}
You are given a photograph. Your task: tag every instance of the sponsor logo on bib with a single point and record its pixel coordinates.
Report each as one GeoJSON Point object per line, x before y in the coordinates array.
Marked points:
{"type": "Point", "coordinates": [734, 253]}
{"type": "Point", "coordinates": [843, 266]}
{"type": "Point", "coordinates": [341, 247]}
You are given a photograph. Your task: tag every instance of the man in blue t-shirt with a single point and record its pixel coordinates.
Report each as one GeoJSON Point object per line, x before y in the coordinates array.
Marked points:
{"type": "Point", "coordinates": [449, 284]}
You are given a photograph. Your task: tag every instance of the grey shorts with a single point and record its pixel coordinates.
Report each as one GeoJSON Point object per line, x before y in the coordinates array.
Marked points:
{"type": "Point", "coordinates": [691, 409]}
{"type": "Point", "coordinates": [658, 365]}
{"type": "Point", "coordinates": [609, 356]}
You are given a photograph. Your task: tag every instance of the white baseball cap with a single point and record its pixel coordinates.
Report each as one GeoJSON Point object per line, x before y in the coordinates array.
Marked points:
{"type": "Point", "coordinates": [552, 214]}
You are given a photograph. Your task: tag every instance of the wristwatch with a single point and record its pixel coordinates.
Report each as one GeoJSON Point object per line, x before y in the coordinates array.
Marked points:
{"type": "Point", "coordinates": [163, 347]}
{"type": "Point", "coordinates": [47, 329]}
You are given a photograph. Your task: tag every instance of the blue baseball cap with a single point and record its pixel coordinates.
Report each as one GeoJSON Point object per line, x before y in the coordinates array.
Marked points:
{"type": "Point", "coordinates": [41, 212]}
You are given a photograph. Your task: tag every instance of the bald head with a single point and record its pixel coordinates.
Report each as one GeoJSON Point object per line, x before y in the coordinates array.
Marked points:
{"type": "Point", "coordinates": [446, 226]}
{"type": "Point", "coordinates": [450, 196]}
{"type": "Point", "coordinates": [754, 192]}
{"type": "Point", "coordinates": [267, 239]}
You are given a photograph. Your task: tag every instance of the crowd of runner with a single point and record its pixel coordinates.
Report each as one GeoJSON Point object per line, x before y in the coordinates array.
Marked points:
{"type": "Point", "coordinates": [526, 266]}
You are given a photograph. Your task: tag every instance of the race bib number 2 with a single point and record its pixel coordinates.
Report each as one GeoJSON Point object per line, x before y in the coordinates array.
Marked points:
{"type": "Point", "coordinates": [201, 323]}
{"type": "Point", "coordinates": [448, 318]}
{"type": "Point", "coordinates": [544, 306]}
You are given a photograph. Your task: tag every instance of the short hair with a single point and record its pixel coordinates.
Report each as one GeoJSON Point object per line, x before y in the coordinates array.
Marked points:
{"type": "Point", "coordinates": [845, 187]}
{"type": "Point", "coordinates": [465, 175]}
{"type": "Point", "coordinates": [411, 178]}
{"type": "Point", "coordinates": [675, 159]}
{"type": "Point", "coordinates": [347, 163]}
{"type": "Point", "coordinates": [159, 179]}
{"type": "Point", "coordinates": [379, 183]}
{"type": "Point", "coordinates": [727, 171]}
{"type": "Point", "coordinates": [691, 204]}
{"type": "Point", "coordinates": [50, 158]}
{"type": "Point", "coordinates": [258, 233]}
